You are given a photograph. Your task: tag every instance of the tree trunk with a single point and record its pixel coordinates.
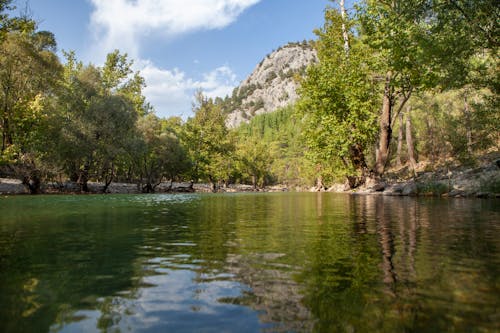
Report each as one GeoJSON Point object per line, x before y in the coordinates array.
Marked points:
{"type": "Point", "coordinates": [430, 140]}
{"type": "Point", "coordinates": [254, 182]}
{"type": "Point", "coordinates": [400, 140]}
{"type": "Point", "coordinates": [83, 178]}
{"type": "Point", "coordinates": [468, 126]}
{"type": "Point", "coordinates": [148, 188]}
{"type": "Point", "coordinates": [108, 178]}
{"type": "Point", "coordinates": [320, 187]}
{"type": "Point", "coordinates": [213, 184]}
{"type": "Point", "coordinates": [6, 134]}
{"type": "Point", "coordinates": [33, 182]}
{"type": "Point", "coordinates": [358, 158]}
{"type": "Point", "coordinates": [409, 143]}
{"type": "Point", "coordinates": [385, 127]}
{"type": "Point", "coordinates": [345, 34]}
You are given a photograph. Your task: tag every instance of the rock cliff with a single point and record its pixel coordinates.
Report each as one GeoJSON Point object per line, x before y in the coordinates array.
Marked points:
{"type": "Point", "coordinates": [272, 85]}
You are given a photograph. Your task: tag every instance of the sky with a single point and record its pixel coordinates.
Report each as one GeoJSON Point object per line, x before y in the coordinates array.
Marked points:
{"type": "Point", "coordinates": [179, 46]}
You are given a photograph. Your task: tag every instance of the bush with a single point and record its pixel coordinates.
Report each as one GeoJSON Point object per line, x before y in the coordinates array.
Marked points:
{"type": "Point", "coordinates": [432, 188]}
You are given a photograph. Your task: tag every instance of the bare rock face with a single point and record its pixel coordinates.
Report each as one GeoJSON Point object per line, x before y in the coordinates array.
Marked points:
{"type": "Point", "coordinates": [272, 85]}
{"type": "Point", "coordinates": [12, 186]}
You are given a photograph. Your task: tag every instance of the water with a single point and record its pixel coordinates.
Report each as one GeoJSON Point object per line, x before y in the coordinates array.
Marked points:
{"type": "Point", "coordinates": [248, 263]}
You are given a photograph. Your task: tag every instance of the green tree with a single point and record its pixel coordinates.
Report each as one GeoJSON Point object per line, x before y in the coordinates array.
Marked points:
{"type": "Point", "coordinates": [98, 119]}
{"type": "Point", "coordinates": [338, 102]}
{"type": "Point", "coordinates": [280, 133]}
{"type": "Point", "coordinates": [160, 153]}
{"type": "Point", "coordinates": [118, 77]}
{"type": "Point", "coordinates": [29, 76]}
{"type": "Point", "coordinates": [209, 142]}
{"type": "Point", "coordinates": [254, 160]}
{"type": "Point", "coordinates": [9, 24]}
{"type": "Point", "coordinates": [29, 70]}
{"type": "Point", "coordinates": [398, 35]}
{"type": "Point", "coordinates": [423, 45]}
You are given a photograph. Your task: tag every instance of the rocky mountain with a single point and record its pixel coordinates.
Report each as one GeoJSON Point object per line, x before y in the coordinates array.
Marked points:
{"type": "Point", "coordinates": [272, 85]}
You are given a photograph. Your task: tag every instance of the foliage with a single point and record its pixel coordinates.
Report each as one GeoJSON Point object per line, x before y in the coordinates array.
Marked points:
{"type": "Point", "coordinates": [208, 141]}
{"type": "Point", "coordinates": [277, 136]}
{"type": "Point", "coordinates": [432, 188]}
{"type": "Point", "coordinates": [338, 103]}
{"type": "Point", "coordinates": [86, 122]}
{"type": "Point", "coordinates": [457, 124]}
{"type": "Point", "coordinates": [97, 118]}
{"type": "Point", "coordinates": [253, 160]}
{"type": "Point", "coordinates": [29, 71]}
{"type": "Point", "coordinates": [158, 153]}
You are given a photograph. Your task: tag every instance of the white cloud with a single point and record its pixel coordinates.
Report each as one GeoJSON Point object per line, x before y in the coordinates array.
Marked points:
{"type": "Point", "coordinates": [172, 92]}
{"type": "Point", "coordinates": [120, 24]}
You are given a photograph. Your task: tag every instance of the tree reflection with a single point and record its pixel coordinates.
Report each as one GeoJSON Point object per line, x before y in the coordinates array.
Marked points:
{"type": "Point", "coordinates": [386, 240]}
{"type": "Point", "coordinates": [297, 262]}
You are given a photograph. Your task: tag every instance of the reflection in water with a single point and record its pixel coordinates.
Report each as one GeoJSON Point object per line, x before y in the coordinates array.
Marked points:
{"type": "Point", "coordinates": [248, 262]}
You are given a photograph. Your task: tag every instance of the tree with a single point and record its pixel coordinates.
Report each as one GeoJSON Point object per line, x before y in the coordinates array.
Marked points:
{"type": "Point", "coordinates": [160, 153]}
{"type": "Point", "coordinates": [98, 119]}
{"type": "Point", "coordinates": [409, 143]}
{"type": "Point", "coordinates": [423, 45]}
{"type": "Point", "coordinates": [8, 24]}
{"type": "Point", "coordinates": [29, 76]}
{"type": "Point", "coordinates": [29, 69]}
{"type": "Point", "coordinates": [118, 77]}
{"type": "Point", "coordinates": [396, 33]}
{"type": "Point", "coordinates": [279, 147]}
{"type": "Point", "coordinates": [254, 160]}
{"type": "Point", "coordinates": [338, 102]}
{"type": "Point", "coordinates": [209, 142]}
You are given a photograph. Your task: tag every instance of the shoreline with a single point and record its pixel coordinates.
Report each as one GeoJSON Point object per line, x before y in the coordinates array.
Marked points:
{"type": "Point", "coordinates": [13, 186]}
{"type": "Point", "coordinates": [409, 188]}
{"type": "Point", "coordinates": [479, 182]}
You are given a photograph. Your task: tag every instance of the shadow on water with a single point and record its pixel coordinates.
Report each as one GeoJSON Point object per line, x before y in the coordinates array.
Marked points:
{"type": "Point", "coordinates": [248, 262]}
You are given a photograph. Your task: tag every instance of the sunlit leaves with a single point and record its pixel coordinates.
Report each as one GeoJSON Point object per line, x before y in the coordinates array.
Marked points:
{"type": "Point", "coordinates": [338, 100]}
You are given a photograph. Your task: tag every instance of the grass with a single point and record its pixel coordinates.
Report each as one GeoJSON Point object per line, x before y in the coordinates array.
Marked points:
{"type": "Point", "coordinates": [432, 188]}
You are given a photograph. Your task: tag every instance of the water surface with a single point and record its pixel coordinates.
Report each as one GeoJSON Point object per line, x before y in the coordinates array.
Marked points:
{"type": "Point", "coordinates": [248, 263]}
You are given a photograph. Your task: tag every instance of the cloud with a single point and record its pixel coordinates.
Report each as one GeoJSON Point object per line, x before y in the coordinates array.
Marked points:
{"type": "Point", "coordinates": [120, 24]}
{"type": "Point", "coordinates": [123, 24]}
{"type": "Point", "coordinates": [172, 92]}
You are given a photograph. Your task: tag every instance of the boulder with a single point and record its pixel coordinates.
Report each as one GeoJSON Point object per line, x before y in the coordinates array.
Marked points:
{"type": "Point", "coordinates": [410, 189]}
{"type": "Point", "coordinates": [12, 186]}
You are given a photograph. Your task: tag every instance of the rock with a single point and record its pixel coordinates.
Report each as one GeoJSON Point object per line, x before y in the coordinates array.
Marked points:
{"type": "Point", "coordinates": [124, 188]}
{"type": "Point", "coordinates": [410, 189]}
{"type": "Point", "coordinates": [396, 188]}
{"type": "Point", "coordinates": [456, 193]}
{"type": "Point", "coordinates": [277, 188]}
{"type": "Point", "coordinates": [337, 188]}
{"type": "Point", "coordinates": [484, 195]}
{"type": "Point", "coordinates": [379, 187]}
{"type": "Point", "coordinates": [182, 187]}
{"type": "Point", "coordinates": [272, 84]}
{"type": "Point", "coordinates": [12, 186]}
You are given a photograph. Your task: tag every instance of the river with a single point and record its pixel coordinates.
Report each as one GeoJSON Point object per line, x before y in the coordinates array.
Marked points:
{"type": "Point", "coordinates": [285, 262]}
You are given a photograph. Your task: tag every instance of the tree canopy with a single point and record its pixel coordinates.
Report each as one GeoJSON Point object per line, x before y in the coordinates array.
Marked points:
{"type": "Point", "coordinates": [424, 69]}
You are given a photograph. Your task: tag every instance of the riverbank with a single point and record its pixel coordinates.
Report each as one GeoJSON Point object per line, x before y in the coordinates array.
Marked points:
{"type": "Point", "coordinates": [9, 186]}
{"type": "Point", "coordinates": [459, 182]}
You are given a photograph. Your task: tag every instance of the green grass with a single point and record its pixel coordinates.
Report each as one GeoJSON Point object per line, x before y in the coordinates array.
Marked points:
{"type": "Point", "coordinates": [435, 188]}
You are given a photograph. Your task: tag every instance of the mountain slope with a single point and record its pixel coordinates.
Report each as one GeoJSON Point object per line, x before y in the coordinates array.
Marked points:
{"type": "Point", "coordinates": [272, 85]}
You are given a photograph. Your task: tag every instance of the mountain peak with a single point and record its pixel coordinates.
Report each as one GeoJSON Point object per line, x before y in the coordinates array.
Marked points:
{"type": "Point", "coordinates": [272, 85]}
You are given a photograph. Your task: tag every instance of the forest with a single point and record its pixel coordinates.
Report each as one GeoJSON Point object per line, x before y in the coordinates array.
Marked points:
{"type": "Point", "coordinates": [400, 85]}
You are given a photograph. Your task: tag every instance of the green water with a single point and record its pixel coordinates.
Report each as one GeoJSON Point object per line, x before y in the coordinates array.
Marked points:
{"type": "Point", "coordinates": [248, 263]}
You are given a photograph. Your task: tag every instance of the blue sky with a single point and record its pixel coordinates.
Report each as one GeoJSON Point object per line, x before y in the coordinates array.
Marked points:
{"type": "Point", "coordinates": [180, 45]}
